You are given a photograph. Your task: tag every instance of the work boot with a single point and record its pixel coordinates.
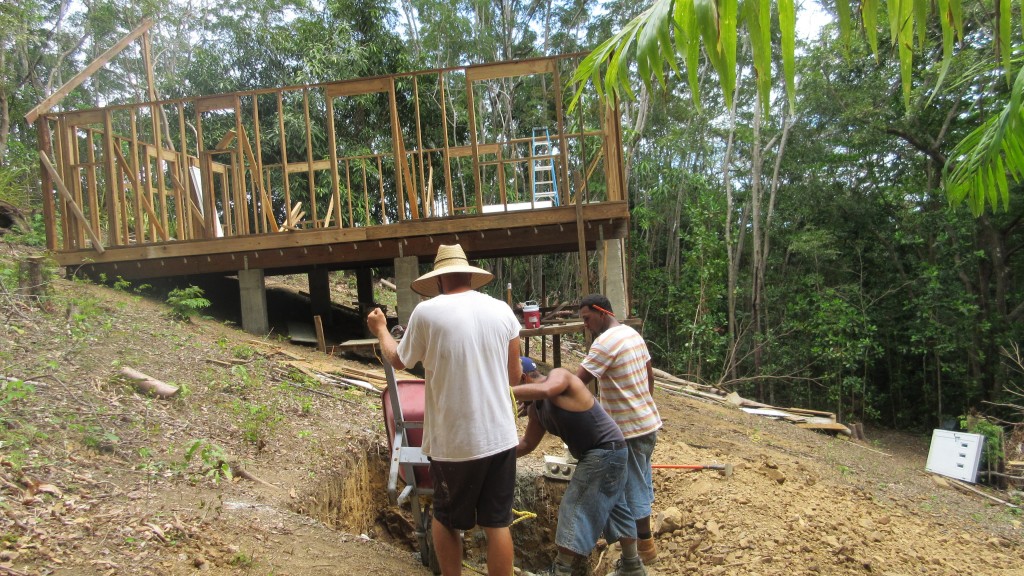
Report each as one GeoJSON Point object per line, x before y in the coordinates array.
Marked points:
{"type": "Point", "coordinates": [647, 550]}
{"type": "Point", "coordinates": [629, 567]}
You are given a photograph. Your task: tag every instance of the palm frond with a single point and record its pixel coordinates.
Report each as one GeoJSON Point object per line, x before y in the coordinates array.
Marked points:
{"type": "Point", "coordinates": [978, 167]}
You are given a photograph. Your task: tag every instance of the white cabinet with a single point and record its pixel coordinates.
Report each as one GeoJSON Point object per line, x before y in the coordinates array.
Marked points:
{"type": "Point", "coordinates": [955, 454]}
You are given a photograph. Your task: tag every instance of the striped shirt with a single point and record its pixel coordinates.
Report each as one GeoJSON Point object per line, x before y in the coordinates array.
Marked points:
{"type": "Point", "coordinates": [618, 359]}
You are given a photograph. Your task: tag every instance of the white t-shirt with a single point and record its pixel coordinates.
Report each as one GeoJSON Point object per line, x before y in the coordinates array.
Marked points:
{"type": "Point", "coordinates": [462, 340]}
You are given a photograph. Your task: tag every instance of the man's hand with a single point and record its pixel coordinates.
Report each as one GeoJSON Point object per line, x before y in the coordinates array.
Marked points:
{"type": "Point", "coordinates": [376, 321]}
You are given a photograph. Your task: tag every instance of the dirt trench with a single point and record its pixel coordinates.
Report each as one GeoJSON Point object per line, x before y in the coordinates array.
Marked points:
{"type": "Point", "coordinates": [356, 502]}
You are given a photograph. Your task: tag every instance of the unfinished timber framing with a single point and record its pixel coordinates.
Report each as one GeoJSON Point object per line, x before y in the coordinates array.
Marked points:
{"type": "Point", "coordinates": [338, 175]}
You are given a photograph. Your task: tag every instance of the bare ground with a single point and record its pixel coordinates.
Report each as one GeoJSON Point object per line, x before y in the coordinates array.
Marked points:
{"type": "Point", "coordinates": [98, 479]}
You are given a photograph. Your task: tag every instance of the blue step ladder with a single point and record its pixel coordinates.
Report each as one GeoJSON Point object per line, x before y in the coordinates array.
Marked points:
{"type": "Point", "coordinates": [545, 181]}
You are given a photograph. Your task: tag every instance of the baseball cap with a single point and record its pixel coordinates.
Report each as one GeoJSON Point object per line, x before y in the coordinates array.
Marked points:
{"type": "Point", "coordinates": [528, 364]}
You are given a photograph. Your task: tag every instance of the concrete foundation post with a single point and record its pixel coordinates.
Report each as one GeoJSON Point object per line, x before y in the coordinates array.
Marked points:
{"type": "Point", "coordinates": [320, 295]}
{"type": "Point", "coordinates": [407, 269]}
{"type": "Point", "coordinates": [253, 292]}
{"type": "Point", "coordinates": [612, 272]}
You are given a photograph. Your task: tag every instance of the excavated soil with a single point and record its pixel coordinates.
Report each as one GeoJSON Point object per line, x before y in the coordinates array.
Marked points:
{"type": "Point", "coordinates": [97, 479]}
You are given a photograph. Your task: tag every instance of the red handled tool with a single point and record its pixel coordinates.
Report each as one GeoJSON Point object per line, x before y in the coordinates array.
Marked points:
{"type": "Point", "coordinates": [725, 469]}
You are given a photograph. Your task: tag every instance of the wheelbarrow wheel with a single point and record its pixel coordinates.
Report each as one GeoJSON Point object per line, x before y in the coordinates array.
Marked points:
{"type": "Point", "coordinates": [428, 555]}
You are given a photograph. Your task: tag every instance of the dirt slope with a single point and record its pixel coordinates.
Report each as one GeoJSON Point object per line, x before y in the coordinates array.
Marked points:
{"type": "Point", "coordinates": [97, 479]}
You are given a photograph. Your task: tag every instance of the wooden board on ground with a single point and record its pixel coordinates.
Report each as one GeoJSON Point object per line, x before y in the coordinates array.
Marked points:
{"type": "Point", "coordinates": [825, 427]}
{"type": "Point", "coordinates": [357, 344]}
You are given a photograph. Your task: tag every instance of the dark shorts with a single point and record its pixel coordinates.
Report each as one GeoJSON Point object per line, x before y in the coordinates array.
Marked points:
{"type": "Point", "coordinates": [475, 492]}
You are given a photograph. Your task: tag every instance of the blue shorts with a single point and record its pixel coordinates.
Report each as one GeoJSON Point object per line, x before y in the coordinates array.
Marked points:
{"type": "Point", "coordinates": [594, 502]}
{"type": "Point", "coordinates": [639, 484]}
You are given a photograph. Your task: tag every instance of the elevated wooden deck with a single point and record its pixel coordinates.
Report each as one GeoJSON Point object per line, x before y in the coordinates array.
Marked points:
{"type": "Point", "coordinates": [336, 175]}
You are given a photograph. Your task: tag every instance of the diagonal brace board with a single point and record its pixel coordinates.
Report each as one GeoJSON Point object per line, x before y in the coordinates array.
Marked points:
{"type": "Point", "coordinates": [89, 70]}
{"type": "Point", "coordinates": [63, 191]}
{"type": "Point", "coordinates": [154, 220]}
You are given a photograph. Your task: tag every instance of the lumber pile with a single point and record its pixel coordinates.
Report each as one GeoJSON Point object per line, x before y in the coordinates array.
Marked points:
{"type": "Point", "coordinates": [328, 371]}
{"type": "Point", "coordinates": [810, 419]}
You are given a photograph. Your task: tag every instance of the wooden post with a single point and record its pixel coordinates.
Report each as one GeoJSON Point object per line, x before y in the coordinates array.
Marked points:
{"type": "Point", "coordinates": [321, 343]}
{"type": "Point", "coordinates": [310, 174]}
{"type": "Point", "coordinates": [46, 186]}
{"type": "Point", "coordinates": [113, 183]}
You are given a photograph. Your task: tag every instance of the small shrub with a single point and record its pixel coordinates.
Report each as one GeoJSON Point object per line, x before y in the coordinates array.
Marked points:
{"type": "Point", "coordinates": [186, 303]}
{"type": "Point", "coordinates": [241, 560]}
{"type": "Point", "coordinates": [992, 453]}
{"type": "Point", "coordinates": [248, 379]}
{"type": "Point", "coordinates": [258, 421]}
{"type": "Point", "coordinates": [14, 390]}
{"type": "Point", "coordinates": [243, 352]}
{"type": "Point", "coordinates": [212, 457]}
{"type": "Point", "coordinates": [34, 236]}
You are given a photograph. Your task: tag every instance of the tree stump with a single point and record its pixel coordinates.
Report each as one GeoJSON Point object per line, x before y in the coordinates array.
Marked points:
{"type": "Point", "coordinates": [30, 276]}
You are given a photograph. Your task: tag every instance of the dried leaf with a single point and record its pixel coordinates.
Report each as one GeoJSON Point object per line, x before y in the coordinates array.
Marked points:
{"type": "Point", "coordinates": [49, 489]}
{"type": "Point", "coordinates": [156, 530]}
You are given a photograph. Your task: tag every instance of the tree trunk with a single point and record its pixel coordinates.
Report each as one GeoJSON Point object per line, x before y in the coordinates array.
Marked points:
{"type": "Point", "coordinates": [733, 250]}
{"type": "Point", "coordinates": [756, 245]}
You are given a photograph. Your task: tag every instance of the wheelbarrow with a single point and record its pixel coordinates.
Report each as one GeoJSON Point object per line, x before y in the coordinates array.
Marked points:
{"type": "Point", "coordinates": [403, 420]}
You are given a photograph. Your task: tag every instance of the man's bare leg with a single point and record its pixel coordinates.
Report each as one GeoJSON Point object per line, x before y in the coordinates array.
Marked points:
{"type": "Point", "coordinates": [499, 551]}
{"type": "Point", "coordinates": [448, 548]}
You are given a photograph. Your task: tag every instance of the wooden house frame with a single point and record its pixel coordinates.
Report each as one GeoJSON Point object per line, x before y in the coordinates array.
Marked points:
{"type": "Point", "coordinates": [337, 175]}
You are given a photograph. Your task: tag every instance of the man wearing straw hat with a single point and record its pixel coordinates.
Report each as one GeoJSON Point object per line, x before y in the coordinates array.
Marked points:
{"type": "Point", "coordinates": [468, 343]}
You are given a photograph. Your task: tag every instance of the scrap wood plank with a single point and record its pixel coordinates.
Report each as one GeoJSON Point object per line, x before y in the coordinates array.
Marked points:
{"type": "Point", "coordinates": [355, 372]}
{"type": "Point", "coordinates": [828, 415]}
{"type": "Point", "coordinates": [962, 486]}
{"type": "Point", "coordinates": [327, 378]}
{"type": "Point", "coordinates": [769, 412]}
{"type": "Point", "coordinates": [704, 395]}
{"type": "Point", "coordinates": [271, 350]}
{"type": "Point", "coordinates": [832, 427]}
{"type": "Point", "coordinates": [682, 381]}
{"type": "Point", "coordinates": [808, 411]}
{"type": "Point", "coordinates": [357, 344]}
{"type": "Point", "coordinates": [694, 394]}
{"type": "Point", "coordinates": [360, 383]}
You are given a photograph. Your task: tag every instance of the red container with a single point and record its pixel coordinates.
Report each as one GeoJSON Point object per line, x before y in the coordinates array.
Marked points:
{"type": "Point", "coordinates": [531, 314]}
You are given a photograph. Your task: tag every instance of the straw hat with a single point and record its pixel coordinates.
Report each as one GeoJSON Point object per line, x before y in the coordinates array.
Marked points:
{"type": "Point", "coordinates": [449, 260]}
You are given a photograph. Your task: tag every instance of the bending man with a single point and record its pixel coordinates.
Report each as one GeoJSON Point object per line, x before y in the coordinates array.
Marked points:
{"type": "Point", "coordinates": [594, 502]}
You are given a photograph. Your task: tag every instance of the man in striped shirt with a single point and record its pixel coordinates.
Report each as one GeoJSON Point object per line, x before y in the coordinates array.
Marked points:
{"type": "Point", "coordinates": [620, 362]}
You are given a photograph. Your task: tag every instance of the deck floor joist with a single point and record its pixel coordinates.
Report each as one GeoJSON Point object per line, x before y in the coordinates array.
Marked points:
{"type": "Point", "coordinates": [546, 231]}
